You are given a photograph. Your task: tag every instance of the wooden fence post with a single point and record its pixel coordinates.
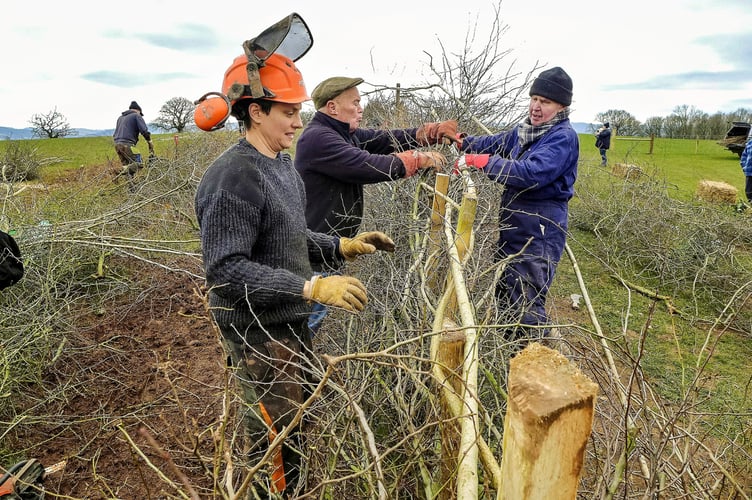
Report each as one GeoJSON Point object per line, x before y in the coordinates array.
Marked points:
{"type": "Point", "coordinates": [463, 236]}
{"type": "Point", "coordinates": [435, 234]}
{"type": "Point", "coordinates": [548, 423]}
{"type": "Point", "coordinates": [450, 356]}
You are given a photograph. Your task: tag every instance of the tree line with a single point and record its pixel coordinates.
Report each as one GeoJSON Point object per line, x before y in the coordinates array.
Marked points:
{"type": "Point", "coordinates": [175, 115]}
{"type": "Point", "coordinates": [684, 122]}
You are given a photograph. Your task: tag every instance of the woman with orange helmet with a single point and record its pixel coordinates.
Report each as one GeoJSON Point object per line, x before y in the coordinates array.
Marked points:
{"type": "Point", "coordinates": [278, 73]}
{"type": "Point", "coordinates": [258, 253]}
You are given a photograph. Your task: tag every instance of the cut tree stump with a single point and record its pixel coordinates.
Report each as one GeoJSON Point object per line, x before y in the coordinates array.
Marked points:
{"type": "Point", "coordinates": [548, 423]}
{"type": "Point", "coordinates": [450, 355]}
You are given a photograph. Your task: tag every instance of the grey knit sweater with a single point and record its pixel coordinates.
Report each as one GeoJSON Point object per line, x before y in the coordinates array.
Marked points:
{"type": "Point", "coordinates": [257, 250]}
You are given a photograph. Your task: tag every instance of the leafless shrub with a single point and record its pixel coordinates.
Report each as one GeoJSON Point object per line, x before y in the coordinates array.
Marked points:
{"type": "Point", "coordinates": [670, 246]}
{"type": "Point", "coordinates": [68, 261]}
{"type": "Point", "coordinates": [22, 162]}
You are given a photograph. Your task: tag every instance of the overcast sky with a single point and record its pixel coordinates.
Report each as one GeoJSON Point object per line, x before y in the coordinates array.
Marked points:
{"type": "Point", "coordinates": [89, 59]}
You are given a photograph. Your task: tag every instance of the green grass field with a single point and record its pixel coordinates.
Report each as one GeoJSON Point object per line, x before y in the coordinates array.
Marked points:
{"type": "Point", "coordinates": [683, 162]}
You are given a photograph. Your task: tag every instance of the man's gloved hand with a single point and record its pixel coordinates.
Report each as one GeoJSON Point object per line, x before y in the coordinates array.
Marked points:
{"type": "Point", "coordinates": [416, 160]}
{"type": "Point", "coordinates": [470, 160]}
{"type": "Point", "coordinates": [437, 132]}
{"type": "Point", "coordinates": [365, 243]}
{"type": "Point", "coordinates": [337, 291]}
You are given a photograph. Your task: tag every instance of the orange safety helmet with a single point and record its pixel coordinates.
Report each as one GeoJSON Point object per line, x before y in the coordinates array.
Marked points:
{"type": "Point", "coordinates": [280, 79]}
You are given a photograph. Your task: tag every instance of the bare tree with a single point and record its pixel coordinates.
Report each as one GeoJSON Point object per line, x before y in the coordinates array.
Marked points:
{"type": "Point", "coordinates": [484, 85]}
{"type": "Point", "coordinates": [653, 126]}
{"type": "Point", "coordinates": [51, 125]}
{"type": "Point", "coordinates": [718, 125]}
{"type": "Point", "coordinates": [620, 121]}
{"type": "Point", "coordinates": [175, 114]}
{"type": "Point", "coordinates": [478, 86]}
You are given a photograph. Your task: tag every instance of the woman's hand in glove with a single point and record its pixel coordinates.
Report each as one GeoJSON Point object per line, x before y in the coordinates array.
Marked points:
{"type": "Point", "coordinates": [365, 243]}
{"type": "Point", "coordinates": [337, 291]}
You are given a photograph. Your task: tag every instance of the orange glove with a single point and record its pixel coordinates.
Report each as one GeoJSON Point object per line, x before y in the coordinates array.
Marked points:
{"type": "Point", "coordinates": [365, 243]}
{"type": "Point", "coordinates": [436, 132]}
{"type": "Point", "coordinates": [337, 291]}
{"type": "Point", "coordinates": [416, 160]}
{"type": "Point", "coordinates": [470, 160]}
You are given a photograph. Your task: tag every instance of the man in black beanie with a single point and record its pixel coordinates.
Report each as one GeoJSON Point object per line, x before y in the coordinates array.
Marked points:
{"type": "Point", "coordinates": [536, 161]}
{"type": "Point", "coordinates": [129, 125]}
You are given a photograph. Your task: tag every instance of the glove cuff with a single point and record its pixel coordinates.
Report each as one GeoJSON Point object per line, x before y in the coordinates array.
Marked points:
{"type": "Point", "coordinates": [309, 286]}
{"type": "Point", "coordinates": [410, 159]}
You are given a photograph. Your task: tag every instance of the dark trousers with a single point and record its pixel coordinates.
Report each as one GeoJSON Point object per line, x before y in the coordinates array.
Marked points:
{"type": "Point", "coordinates": [272, 380]}
{"type": "Point", "coordinates": [602, 151]}
{"type": "Point", "coordinates": [131, 161]}
{"type": "Point", "coordinates": [748, 188]}
{"type": "Point", "coordinates": [539, 229]}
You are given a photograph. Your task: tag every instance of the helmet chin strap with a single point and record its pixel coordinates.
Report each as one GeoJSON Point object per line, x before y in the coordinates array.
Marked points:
{"type": "Point", "coordinates": [254, 78]}
{"type": "Point", "coordinates": [255, 62]}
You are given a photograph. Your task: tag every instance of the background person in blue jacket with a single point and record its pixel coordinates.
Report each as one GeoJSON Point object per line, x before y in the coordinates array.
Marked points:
{"type": "Point", "coordinates": [746, 161]}
{"type": "Point", "coordinates": [537, 163]}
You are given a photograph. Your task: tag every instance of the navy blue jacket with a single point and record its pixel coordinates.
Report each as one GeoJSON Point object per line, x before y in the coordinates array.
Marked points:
{"type": "Point", "coordinates": [335, 164]}
{"type": "Point", "coordinates": [547, 170]}
{"type": "Point", "coordinates": [129, 124]}
{"type": "Point", "coordinates": [746, 159]}
{"type": "Point", "coordinates": [603, 139]}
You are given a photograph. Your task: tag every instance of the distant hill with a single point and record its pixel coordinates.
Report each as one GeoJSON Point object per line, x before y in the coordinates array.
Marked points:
{"type": "Point", "coordinates": [584, 128]}
{"type": "Point", "coordinates": [9, 133]}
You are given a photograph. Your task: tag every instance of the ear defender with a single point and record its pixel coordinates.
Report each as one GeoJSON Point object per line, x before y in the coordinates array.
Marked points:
{"type": "Point", "coordinates": [212, 111]}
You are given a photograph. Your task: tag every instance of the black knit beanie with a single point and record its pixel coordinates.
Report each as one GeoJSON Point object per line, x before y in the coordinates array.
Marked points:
{"type": "Point", "coordinates": [554, 84]}
{"type": "Point", "coordinates": [134, 105]}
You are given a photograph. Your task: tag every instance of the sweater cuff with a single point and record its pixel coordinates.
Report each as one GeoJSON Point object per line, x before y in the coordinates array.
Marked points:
{"type": "Point", "coordinates": [337, 253]}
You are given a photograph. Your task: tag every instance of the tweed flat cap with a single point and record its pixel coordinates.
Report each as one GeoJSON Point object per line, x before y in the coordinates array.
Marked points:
{"type": "Point", "coordinates": [331, 88]}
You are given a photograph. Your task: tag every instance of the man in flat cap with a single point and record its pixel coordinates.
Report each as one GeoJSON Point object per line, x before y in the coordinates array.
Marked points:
{"type": "Point", "coordinates": [336, 158]}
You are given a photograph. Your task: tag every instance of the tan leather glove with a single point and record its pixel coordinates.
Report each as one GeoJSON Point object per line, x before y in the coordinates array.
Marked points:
{"type": "Point", "coordinates": [337, 291]}
{"type": "Point", "coordinates": [417, 160]}
{"type": "Point", "coordinates": [365, 243]}
{"type": "Point", "coordinates": [437, 132]}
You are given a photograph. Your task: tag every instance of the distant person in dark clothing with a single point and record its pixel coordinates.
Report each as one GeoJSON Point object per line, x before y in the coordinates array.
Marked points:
{"type": "Point", "coordinates": [129, 125]}
{"type": "Point", "coordinates": [746, 161]}
{"type": "Point", "coordinates": [603, 142]}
